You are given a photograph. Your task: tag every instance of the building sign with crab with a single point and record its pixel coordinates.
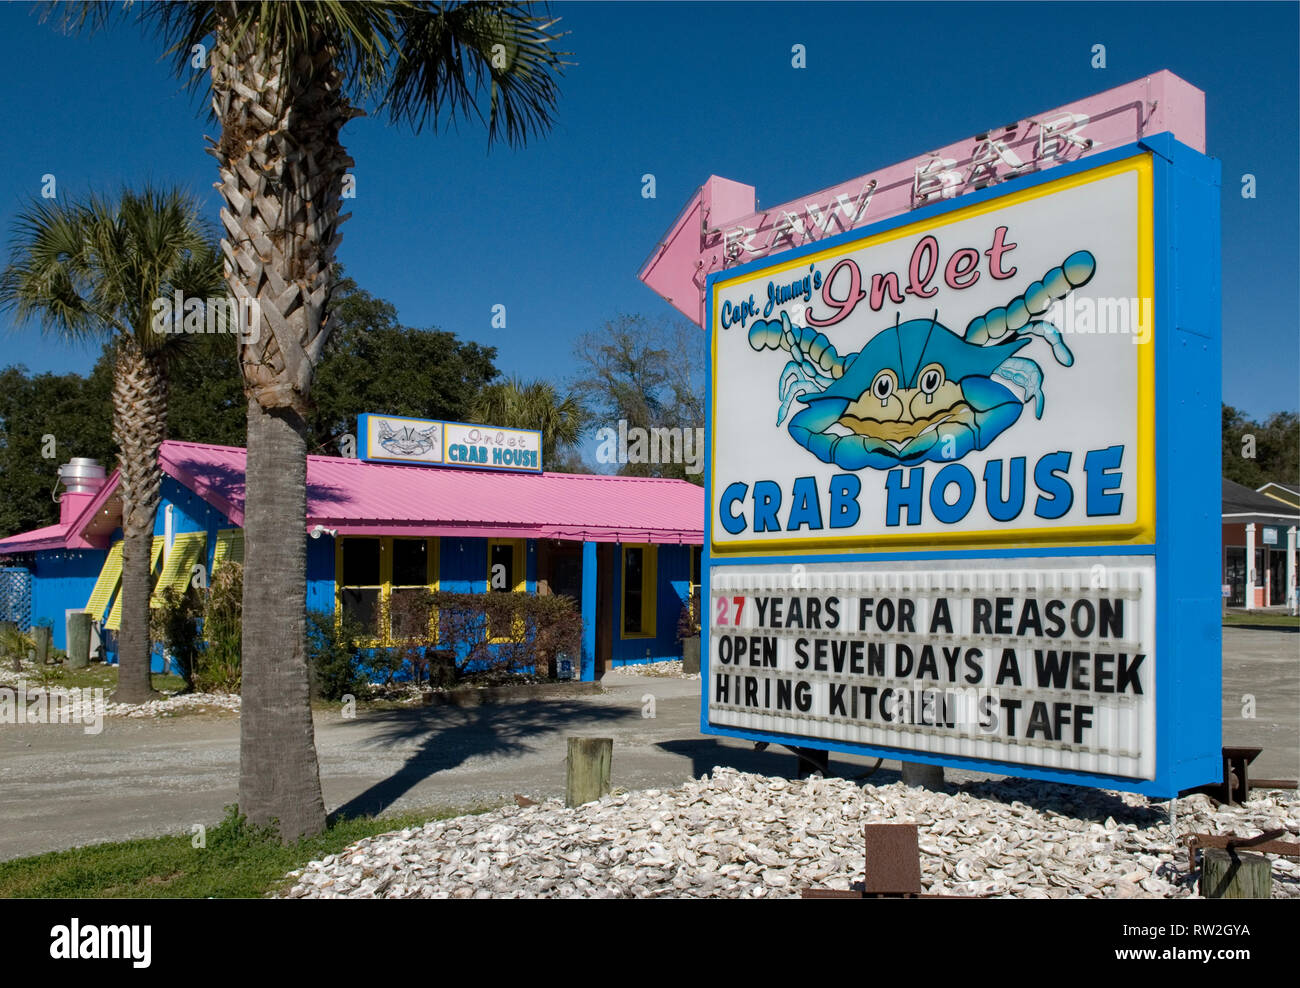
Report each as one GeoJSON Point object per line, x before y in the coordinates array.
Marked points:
{"type": "Point", "coordinates": [394, 439]}
{"type": "Point", "coordinates": [943, 457]}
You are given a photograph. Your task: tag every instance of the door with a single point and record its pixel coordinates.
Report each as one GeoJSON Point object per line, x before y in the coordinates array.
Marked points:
{"type": "Point", "coordinates": [1234, 575]}
{"type": "Point", "coordinates": [604, 607]}
{"type": "Point", "coordinates": [564, 571]}
{"type": "Point", "coordinates": [1276, 578]}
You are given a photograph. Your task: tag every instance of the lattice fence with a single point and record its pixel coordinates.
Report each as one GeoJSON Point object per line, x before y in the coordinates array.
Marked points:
{"type": "Point", "coordinates": [16, 596]}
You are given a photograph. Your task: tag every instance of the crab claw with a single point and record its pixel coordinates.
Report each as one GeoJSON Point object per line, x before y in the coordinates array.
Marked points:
{"type": "Point", "coordinates": [1074, 272]}
{"type": "Point", "coordinates": [1027, 376]}
{"type": "Point", "coordinates": [1052, 335]}
{"type": "Point", "coordinates": [765, 335]}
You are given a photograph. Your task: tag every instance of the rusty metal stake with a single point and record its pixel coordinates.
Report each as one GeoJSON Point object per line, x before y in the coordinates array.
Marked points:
{"type": "Point", "coordinates": [893, 868]}
{"type": "Point", "coordinates": [1265, 843]}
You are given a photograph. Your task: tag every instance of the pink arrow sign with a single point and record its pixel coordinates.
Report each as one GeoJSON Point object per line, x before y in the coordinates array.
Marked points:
{"type": "Point", "coordinates": [720, 226]}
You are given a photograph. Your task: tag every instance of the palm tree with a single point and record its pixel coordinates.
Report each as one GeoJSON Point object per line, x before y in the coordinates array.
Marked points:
{"type": "Point", "coordinates": [285, 78]}
{"type": "Point", "coordinates": [515, 404]}
{"type": "Point", "coordinates": [94, 269]}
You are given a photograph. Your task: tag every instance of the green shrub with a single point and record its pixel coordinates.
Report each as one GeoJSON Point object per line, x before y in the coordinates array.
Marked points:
{"type": "Point", "coordinates": [217, 667]}
{"type": "Point", "coordinates": [173, 621]}
{"type": "Point", "coordinates": [409, 615]}
{"type": "Point", "coordinates": [208, 659]}
{"type": "Point", "coordinates": [15, 643]}
{"type": "Point", "coordinates": [506, 632]}
{"type": "Point", "coordinates": [334, 656]}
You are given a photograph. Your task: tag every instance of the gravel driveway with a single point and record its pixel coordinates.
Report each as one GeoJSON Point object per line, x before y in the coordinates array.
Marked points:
{"type": "Point", "coordinates": [61, 788]}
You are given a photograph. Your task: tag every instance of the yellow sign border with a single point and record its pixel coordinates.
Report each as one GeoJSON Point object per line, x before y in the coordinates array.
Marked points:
{"type": "Point", "coordinates": [1140, 532]}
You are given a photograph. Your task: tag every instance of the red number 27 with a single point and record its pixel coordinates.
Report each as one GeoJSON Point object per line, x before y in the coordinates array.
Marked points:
{"type": "Point", "coordinates": [722, 610]}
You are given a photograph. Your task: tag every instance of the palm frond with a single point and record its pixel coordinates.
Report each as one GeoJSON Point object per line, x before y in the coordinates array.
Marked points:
{"type": "Point", "coordinates": [449, 54]}
{"type": "Point", "coordinates": [419, 62]}
{"type": "Point", "coordinates": [49, 278]}
{"type": "Point", "coordinates": [94, 267]}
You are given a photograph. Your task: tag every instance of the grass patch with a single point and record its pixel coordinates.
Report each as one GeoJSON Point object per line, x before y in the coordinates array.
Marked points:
{"type": "Point", "coordinates": [1260, 619]}
{"type": "Point", "coordinates": [97, 675]}
{"type": "Point", "coordinates": [239, 861]}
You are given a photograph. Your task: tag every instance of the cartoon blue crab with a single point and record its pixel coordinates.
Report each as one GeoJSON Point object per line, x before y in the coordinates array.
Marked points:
{"type": "Point", "coordinates": [408, 440]}
{"type": "Point", "coordinates": [919, 391]}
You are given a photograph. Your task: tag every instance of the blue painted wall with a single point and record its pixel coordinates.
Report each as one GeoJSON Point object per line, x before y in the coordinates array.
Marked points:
{"type": "Point", "coordinates": [463, 565]}
{"type": "Point", "coordinates": [63, 579]}
{"type": "Point", "coordinates": [671, 592]}
{"type": "Point", "coordinates": [320, 574]}
{"type": "Point", "coordinates": [190, 514]}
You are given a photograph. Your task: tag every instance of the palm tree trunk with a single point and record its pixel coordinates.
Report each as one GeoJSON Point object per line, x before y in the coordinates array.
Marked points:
{"type": "Point", "coordinates": [279, 778]}
{"type": "Point", "coordinates": [139, 426]}
{"type": "Point", "coordinates": [282, 169]}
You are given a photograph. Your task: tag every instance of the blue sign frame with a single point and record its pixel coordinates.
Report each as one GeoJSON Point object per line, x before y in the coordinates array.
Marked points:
{"type": "Point", "coordinates": [1186, 551]}
{"type": "Point", "coordinates": [363, 444]}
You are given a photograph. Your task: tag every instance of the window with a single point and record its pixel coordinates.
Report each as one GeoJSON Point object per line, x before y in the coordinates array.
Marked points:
{"type": "Point", "coordinates": [360, 585]}
{"type": "Point", "coordinates": [412, 577]}
{"type": "Point", "coordinates": [640, 573]}
{"type": "Point", "coordinates": [506, 574]}
{"type": "Point", "coordinates": [506, 565]}
{"type": "Point", "coordinates": [1235, 575]}
{"type": "Point", "coordinates": [375, 574]}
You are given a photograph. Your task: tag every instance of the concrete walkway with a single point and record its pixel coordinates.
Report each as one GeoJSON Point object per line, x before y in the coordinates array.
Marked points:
{"type": "Point", "coordinates": [61, 788]}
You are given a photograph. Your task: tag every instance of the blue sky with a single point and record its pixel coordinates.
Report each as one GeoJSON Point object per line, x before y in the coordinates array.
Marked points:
{"type": "Point", "coordinates": [556, 231]}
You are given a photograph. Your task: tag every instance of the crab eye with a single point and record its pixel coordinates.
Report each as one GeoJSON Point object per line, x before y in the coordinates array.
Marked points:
{"type": "Point", "coordinates": [931, 379]}
{"type": "Point", "coordinates": [883, 386]}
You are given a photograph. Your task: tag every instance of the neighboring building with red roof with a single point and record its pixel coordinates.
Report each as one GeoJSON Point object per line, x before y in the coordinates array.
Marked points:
{"type": "Point", "coordinates": [627, 549]}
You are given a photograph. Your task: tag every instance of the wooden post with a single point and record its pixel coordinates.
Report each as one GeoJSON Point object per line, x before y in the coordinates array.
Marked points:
{"type": "Point", "coordinates": [588, 773]}
{"type": "Point", "coordinates": [691, 655]}
{"type": "Point", "coordinates": [41, 635]}
{"type": "Point", "coordinates": [78, 639]}
{"type": "Point", "coordinates": [1235, 875]}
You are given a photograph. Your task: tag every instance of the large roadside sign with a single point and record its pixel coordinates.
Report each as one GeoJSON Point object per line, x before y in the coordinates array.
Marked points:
{"type": "Point", "coordinates": [963, 480]}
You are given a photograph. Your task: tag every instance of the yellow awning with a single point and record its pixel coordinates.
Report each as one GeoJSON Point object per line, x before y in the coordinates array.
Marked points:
{"type": "Point", "coordinates": [178, 567]}
{"type": "Point", "coordinates": [114, 622]}
{"type": "Point", "coordinates": [230, 548]}
{"type": "Point", "coordinates": [110, 577]}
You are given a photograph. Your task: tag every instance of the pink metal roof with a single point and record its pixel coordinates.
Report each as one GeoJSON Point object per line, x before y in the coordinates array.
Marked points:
{"type": "Point", "coordinates": [357, 498]}
{"type": "Point", "coordinates": [49, 537]}
{"type": "Point", "coordinates": [90, 529]}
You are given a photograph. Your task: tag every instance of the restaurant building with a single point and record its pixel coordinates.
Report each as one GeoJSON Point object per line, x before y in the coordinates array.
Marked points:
{"type": "Point", "coordinates": [626, 549]}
